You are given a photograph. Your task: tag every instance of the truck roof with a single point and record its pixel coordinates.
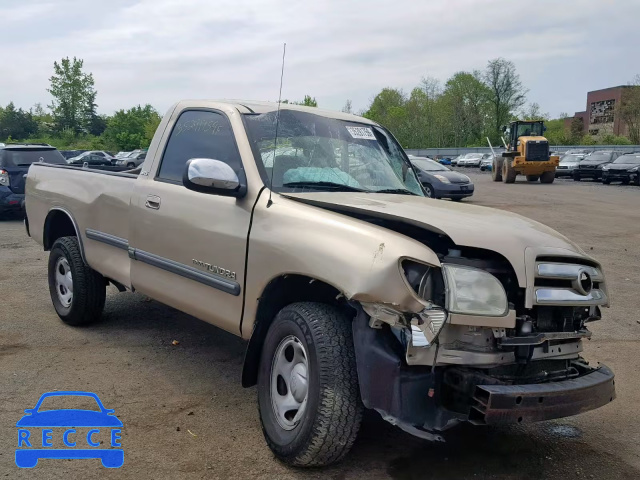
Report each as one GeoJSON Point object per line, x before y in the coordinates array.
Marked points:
{"type": "Point", "coordinates": [253, 106]}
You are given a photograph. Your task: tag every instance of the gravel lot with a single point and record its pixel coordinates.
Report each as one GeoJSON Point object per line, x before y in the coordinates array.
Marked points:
{"type": "Point", "coordinates": [185, 414]}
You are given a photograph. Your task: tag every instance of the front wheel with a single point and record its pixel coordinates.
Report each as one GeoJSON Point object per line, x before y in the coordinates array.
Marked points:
{"type": "Point", "coordinates": [308, 393]}
{"type": "Point", "coordinates": [576, 177]}
{"type": "Point", "coordinates": [131, 165]}
{"type": "Point", "coordinates": [547, 177]}
{"type": "Point", "coordinates": [77, 291]}
{"type": "Point", "coordinates": [509, 174]}
{"type": "Point", "coordinates": [428, 189]}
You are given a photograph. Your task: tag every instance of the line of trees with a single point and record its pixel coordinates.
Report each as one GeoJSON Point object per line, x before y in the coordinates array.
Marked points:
{"type": "Point", "coordinates": [471, 106]}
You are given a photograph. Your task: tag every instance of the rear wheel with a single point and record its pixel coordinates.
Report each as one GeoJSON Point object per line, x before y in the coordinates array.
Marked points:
{"type": "Point", "coordinates": [308, 393]}
{"type": "Point", "coordinates": [77, 291]}
{"type": "Point", "coordinates": [496, 169]}
{"type": "Point", "coordinates": [533, 178]}
{"type": "Point", "coordinates": [508, 172]}
{"type": "Point", "coordinates": [547, 177]}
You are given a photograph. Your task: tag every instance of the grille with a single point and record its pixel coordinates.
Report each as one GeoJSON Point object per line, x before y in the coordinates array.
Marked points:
{"type": "Point", "coordinates": [538, 151]}
{"type": "Point", "coordinates": [568, 284]}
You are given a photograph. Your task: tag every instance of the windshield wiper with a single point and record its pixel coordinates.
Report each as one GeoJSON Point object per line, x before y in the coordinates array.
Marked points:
{"type": "Point", "coordinates": [323, 185]}
{"type": "Point", "coordinates": [401, 191]}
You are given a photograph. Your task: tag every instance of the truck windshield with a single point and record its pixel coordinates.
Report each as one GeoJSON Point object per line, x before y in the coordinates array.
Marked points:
{"type": "Point", "coordinates": [23, 157]}
{"type": "Point", "coordinates": [530, 129]}
{"type": "Point", "coordinates": [314, 152]}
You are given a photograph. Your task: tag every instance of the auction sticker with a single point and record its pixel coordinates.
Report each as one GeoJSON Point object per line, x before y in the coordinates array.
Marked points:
{"type": "Point", "coordinates": [364, 133]}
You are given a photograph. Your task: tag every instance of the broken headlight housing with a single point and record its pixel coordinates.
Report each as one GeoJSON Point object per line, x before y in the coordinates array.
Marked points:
{"type": "Point", "coordinates": [471, 291]}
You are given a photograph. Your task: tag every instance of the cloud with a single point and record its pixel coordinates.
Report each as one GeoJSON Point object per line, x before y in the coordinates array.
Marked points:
{"type": "Point", "coordinates": [159, 51]}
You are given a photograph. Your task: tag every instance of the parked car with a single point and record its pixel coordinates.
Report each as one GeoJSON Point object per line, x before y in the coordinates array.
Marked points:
{"type": "Point", "coordinates": [90, 159]}
{"type": "Point", "coordinates": [443, 160]}
{"type": "Point", "coordinates": [132, 160]}
{"type": "Point", "coordinates": [353, 290]}
{"type": "Point", "coordinates": [15, 159]}
{"type": "Point", "coordinates": [470, 160]}
{"type": "Point", "coordinates": [71, 153]}
{"type": "Point", "coordinates": [591, 165]}
{"type": "Point", "coordinates": [625, 168]}
{"type": "Point", "coordinates": [454, 161]}
{"type": "Point", "coordinates": [440, 182]}
{"type": "Point", "coordinates": [487, 162]}
{"type": "Point", "coordinates": [121, 154]}
{"type": "Point", "coordinates": [568, 163]}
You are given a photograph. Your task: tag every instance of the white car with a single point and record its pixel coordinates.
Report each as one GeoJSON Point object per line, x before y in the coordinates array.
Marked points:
{"type": "Point", "coordinates": [470, 160]}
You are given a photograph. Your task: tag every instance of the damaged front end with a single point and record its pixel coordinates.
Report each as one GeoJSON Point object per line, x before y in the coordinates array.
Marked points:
{"type": "Point", "coordinates": [484, 348]}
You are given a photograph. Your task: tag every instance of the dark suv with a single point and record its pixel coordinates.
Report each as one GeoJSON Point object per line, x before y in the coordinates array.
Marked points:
{"type": "Point", "coordinates": [591, 166]}
{"type": "Point", "coordinates": [15, 159]}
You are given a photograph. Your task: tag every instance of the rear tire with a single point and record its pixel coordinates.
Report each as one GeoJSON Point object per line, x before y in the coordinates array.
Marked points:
{"type": "Point", "coordinates": [547, 177]}
{"type": "Point", "coordinates": [496, 169]}
{"type": "Point", "coordinates": [320, 429]}
{"type": "Point", "coordinates": [77, 291]}
{"type": "Point", "coordinates": [533, 178]}
{"type": "Point", "coordinates": [508, 172]}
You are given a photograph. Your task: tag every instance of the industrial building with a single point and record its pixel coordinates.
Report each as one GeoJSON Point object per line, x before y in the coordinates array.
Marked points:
{"type": "Point", "coordinates": [601, 116]}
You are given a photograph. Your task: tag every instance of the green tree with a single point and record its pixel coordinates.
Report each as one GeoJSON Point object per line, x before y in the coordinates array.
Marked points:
{"type": "Point", "coordinates": [507, 92]}
{"type": "Point", "coordinates": [16, 124]}
{"type": "Point", "coordinates": [73, 105]}
{"type": "Point", "coordinates": [388, 108]}
{"type": "Point", "coordinates": [630, 110]}
{"type": "Point", "coordinates": [132, 128]}
{"type": "Point", "coordinates": [576, 131]}
{"type": "Point", "coordinates": [307, 101]}
{"type": "Point", "coordinates": [534, 112]}
{"type": "Point", "coordinates": [467, 98]}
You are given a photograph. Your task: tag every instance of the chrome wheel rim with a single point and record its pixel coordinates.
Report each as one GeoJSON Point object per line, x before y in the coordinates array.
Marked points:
{"type": "Point", "coordinates": [289, 382]}
{"type": "Point", "coordinates": [64, 282]}
{"type": "Point", "coordinates": [429, 192]}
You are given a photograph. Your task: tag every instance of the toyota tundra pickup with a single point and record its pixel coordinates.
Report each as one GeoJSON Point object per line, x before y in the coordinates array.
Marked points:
{"type": "Point", "coordinates": [307, 233]}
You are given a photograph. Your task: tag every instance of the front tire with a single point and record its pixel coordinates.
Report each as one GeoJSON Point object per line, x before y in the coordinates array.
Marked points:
{"type": "Point", "coordinates": [508, 172]}
{"type": "Point", "coordinates": [547, 177]}
{"type": "Point", "coordinates": [429, 190]}
{"type": "Point", "coordinates": [131, 165]}
{"type": "Point", "coordinates": [77, 291]}
{"type": "Point", "coordinates": [308, 392]}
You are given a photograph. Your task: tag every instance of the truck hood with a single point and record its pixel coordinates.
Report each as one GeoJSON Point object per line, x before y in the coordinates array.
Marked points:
{"type": "Point", "coordinates": [506, 233]}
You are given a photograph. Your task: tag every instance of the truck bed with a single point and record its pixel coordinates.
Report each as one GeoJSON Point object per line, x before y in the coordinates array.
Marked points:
{"type": "Point", "coordinates": [94, 199]}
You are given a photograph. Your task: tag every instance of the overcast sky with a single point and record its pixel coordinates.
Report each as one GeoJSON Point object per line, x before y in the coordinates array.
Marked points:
{"type": "Point", "coordinates": [160, 51]}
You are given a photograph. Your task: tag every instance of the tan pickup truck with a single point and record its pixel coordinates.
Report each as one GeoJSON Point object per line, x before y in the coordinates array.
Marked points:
{"type": "Point", "coordinates": [307, 233]}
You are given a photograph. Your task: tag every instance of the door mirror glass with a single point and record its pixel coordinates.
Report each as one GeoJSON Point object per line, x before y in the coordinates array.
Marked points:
{"type": "Point", "coordinates": [212, 176]}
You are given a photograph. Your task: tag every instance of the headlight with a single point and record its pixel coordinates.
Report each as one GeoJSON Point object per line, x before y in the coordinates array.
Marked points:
{"type": "Point", "coordinates": [601, 166]}
{"type": "Point", "coordinates": [442, 178]}
{"type": "Point", "coordinates": [472, 291]}
{"type": "Point", "coordinates": [606, 167]}
{"type": "Point", "coordinates": [634, 169]}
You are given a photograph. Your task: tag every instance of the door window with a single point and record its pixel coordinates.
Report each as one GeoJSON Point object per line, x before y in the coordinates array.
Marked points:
{"type": "Point", "coordinates": [198, 134]}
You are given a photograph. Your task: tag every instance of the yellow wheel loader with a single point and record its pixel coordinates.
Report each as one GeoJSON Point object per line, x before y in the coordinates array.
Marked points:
{"type": "Point", "coordinates": [526, 153]}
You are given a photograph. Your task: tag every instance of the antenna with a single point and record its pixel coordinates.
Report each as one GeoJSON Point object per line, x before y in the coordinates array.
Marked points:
{"type": "Point", "coordinates": [275, 140]}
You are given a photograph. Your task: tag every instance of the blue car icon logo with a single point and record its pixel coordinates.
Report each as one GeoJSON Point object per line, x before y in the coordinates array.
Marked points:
{"type": "Point", "coordinates": [83, 433]}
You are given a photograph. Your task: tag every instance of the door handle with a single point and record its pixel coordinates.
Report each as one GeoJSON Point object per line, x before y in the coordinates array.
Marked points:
{"type": "Point", "coordinates": [153, 201]}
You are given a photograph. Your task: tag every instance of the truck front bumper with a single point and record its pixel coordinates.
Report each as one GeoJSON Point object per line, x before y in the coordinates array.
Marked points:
{"type": "Point", "coordinates": [502, 404]}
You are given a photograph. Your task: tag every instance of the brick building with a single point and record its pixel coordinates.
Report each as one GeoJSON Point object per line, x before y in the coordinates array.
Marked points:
{"type": "Point", "coordinates": [601, 115]}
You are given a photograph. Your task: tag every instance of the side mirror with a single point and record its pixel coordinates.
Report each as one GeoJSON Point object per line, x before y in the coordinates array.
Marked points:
{"type": "Point", "coordinates": [544, 128]}
{"type": "Point", "coordinates": [212, 176]}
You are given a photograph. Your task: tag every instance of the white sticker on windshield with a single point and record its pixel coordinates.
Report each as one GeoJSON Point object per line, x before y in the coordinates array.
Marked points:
{"type": "Point", "coordinates": [361, 132]}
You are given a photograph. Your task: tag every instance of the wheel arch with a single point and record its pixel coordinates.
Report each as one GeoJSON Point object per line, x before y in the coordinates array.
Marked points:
{"type": "Point", "coordinates": [280, 292]}
{"type": "Point", "coordinates": [60, 223]}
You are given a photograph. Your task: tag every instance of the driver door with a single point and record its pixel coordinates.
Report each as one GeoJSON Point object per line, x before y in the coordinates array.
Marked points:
{"type": "Point", "coordinates": [189, 247]}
